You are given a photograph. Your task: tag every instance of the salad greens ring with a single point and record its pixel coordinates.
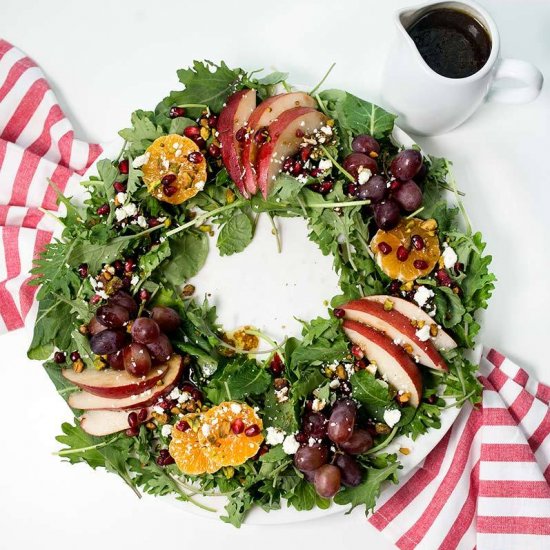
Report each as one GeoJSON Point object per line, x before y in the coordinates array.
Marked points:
{"type": "Point", "coordinates": [128, 239]}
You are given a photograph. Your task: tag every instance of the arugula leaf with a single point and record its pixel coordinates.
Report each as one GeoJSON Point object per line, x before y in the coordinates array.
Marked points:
{"type": "Point", "coordinates": [240, 502]}
{"type": "Point", "coordinates": [153, 258]}
{"type": "Point", "coordinates": [449, 307]}
{"type": "Point", "coordinates": [304, 497]}
{"type": "Point", "coordinates": [374, 396]}
{"type": "Point", "coordinates": [189, 253]}
{"type": "Point", "coordinates": [143, 132]}
{"type": "Point", "coordinates": [235, 235]}
{"type": "Point", "coordinates": [97, 254]}
{"type": "Point", "coordinates": [322, 351]}
{"type": "Point", "coordinates": [280, 415]}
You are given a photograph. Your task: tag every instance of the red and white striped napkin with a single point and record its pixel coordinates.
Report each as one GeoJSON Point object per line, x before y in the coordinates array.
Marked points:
{"type": "Point", "coordinates": [36, 143]}
{"type": "Point", "coordinates": [485, 485]}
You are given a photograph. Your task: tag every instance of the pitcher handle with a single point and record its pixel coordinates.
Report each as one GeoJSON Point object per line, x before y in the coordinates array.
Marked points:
{"type": "Point", "coordinates": [528, 77]}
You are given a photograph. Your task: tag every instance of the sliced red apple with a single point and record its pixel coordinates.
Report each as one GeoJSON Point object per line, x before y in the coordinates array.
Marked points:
{"type": "Point", "coordinates": [397, 327]}
{"type": "Point", "coordinates": [265, 113]}
{"type": "Point", "coordinates": [100, 423]}
{"type": "Point", "coordinates": [283, 142]}
{"type": "Point", "coordinates": [442, 341]}
{"type": "Point", "coordinates": [114, 383]}
{"type": "Point", "coordinates": [233, 117]}
{"type": "Point", "coordinates": [392, 361]}
{"type": "Point", "coordinates": [88, 401]}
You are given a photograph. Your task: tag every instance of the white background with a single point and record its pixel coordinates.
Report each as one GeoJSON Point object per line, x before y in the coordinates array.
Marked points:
{"type": "Point", "coordinates": [104, 59]}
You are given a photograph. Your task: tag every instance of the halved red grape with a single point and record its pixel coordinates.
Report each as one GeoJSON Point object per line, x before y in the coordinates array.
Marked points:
{"type": "Point", "coordinates": [374, 190]}
{"type": "Point", "coordinates": [125, 300]}
{"type": "Point", "coordinates": [354, 161]}
{"type": "Point", "coordinates": [160, 349]}
{"type": "Point", "coordinates": [342, 420]}
{"type": "Point", "coordinates": [112, 316]}
{"type": "Point", "coordinates": [327, 480]}
{"type": "Point", "coordinates": [363, 143]}
{"type": "Point", "coordinates": [409, 196]}
{"type": "Point", "coordinates": [406, 164]}
{"type": "Point", "coordinates": [387, 214]}
{"type": "Point", "coordinates": [145, 330]}
{"type": "Point", "coordinates": [107, 342]}
{"type": "Point", "coordinates": [309, 458]}
{"type": "Point", "coordinates": [359, 442]}
{"type": "Point", "coordinates": [350, 470]}
{"type": "Point", "coordinates": [116, 360]}
{"type": "Point", "coordinates": [315, 424]}
{"type": "Point", "coordinates": [137, 360]}
{"type": "Point", "coordinates": [166, 318]}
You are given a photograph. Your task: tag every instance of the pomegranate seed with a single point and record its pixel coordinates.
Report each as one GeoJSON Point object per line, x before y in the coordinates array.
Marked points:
{"type": "Point", "coordinates": [168, 179]}
{"type": "Point", "coordinates": [142, 415]}
{"type": "Point", "coordinates": [95, 299]}
{"type": "Point", "coordinates": [351, 189]}
{"type": "Point", "coordinates": [417, 241]}
{"type": "Point", "coordinates": [164, 458]}
{"type": "Point", "coordinates": [339, 313]}
{"type": "Point", "coordinates": [299, 133]}
{"type": "Point", "coordinates": [118, 266]}
{"type": "Point", "coordinates": [213, 121]}
{"type": "Point", "coordinates": [305, 153]}
{"type": "Point", "coordinates": [237, 426]}
{"type": "Point", "coordinates": [126, 281]}
{"type": "Point", "coordinates": [261, 135]}
{"type": "Point", "coordinates": [261, 451]}
{"type": "Point", "coordinates": [103, 210]}
{"type": "Point", "coordinates": [195, 157]}
{"type": "Point", "coordinates": [395, 287]}
{"type": "Point", "coordinates": [326, 187]}
{"type": "Point", "coordinates": [200, 143]}
{"type": "Point", "coordinates": [214, 151]}
{"type": "Point", "coordinates": [296, 169]}
{"type": "Point", "coordinates": [153, 222]}
{"type": "Point", "coordinates": [183, 426]}
{"type": "Point", "coordinates": [288, 164]}
{"type": "Point", "coordinates": [75, 356]}
{"type": "Point", "coordinates": [176, 112]}
{"type": "Point", "coordinates": [119, 187]}
{"type": "Point", "coordinates": [361, 364]}
{"type": "Point", "coordinates": [356, 351]}
{"type": "Point", "coordinates": [309, 404]}
{"type": "Point", "coordinates": [385, 248]}
{"type": "Point", "coordinates": [169, 190]}
{"type": "Point", "coordinates": [133, 420]}
{"type": "Point", "coordinates": [443, 278]}
{"type": "Point", "coordinates": [315, 173]}
{"type": "Point", "coordinates": [402, 254]}
{"type": "Point", "coordinates": [59, 357]}
{"type": "Point", "coordinates": [395, 184]}
{"type": "Point", "coordinates": [144, 295]}
{"type": "Point", "coordinates": [252, 430]}
{"type": "Point", "coordinates": [123, 166]}
{"type": "Point", "coordinates": [431, 399]}
{"type": "Point", "coordinates": [301, 437]}
{"type": "Point", "coordinates": [420, 264]}
{"type": "Point", "coordinates": [132, 432]}
{"type": "Point", "coordinates": [192, 132]}
{"type": "Point", "coordinates": [459, 267]}
{"type": "Point", "coordinates": [130, 265]}
{"type": "Point", "coordinates": [315, 187]}
{"type": "Point", "coordinates": [240, 135]}
{"type": "Point", "coordinates": [276, 365]}
{"type": "Point", "coordinates": [83, 270]}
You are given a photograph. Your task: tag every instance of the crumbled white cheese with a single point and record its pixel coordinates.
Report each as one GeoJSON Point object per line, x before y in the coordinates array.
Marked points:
{"type": "Point", "coordinates": [199, 185]}
{"type": "Point", "coordinates": [423, 334]}
{"type": "Point", "coordinates": [138, 162]}
{"type": "Point", "coordinates": [175, 393]}
{"type": "Point", "coordinates": [134, 280]}
{"type": "Point", "coordinates": [325, 164]}
{"type": "Point", "coordinates": [142, 221]}
{"type": "Point", "coordinates": [274, 436]}
{"type": "Point", "coordinates": [422, 295]}
{"type": "Point", "coordinates": [372, 369]}
{"type": "Point", "coordinates": [364, 176]}
{"type": "Point", "coordinates": [318, 405]}
{"type": "Point", "coordinates": [121, 198]}
{"type": "Point", "coordinates": [326, 130]}
{"type": "Point", "coordinates": [236, 408]}
{"type": "Point", "coordinates": [166, 430]}
{"type": "Point", "coordinates": [185, 396]}
{"type": "Point", "coordinates": [158, 409]}
{"type": "Point", "coordinates": [334, 384]}
{"type": "Point", "coordinates": [126, 211]}
{"type": "Point", "coordinates": [392, 417]}
{"type": "Point", "coordinates": [206, 430]}
{"type": "Point", "coordinates": [281, 395]}
{"type": "Point", "coordinates": [449, 256]}
{"type": "Point", "coordinates": [290, 445]}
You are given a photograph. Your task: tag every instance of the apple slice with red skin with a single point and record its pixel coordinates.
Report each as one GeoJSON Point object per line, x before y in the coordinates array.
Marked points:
{"type": "Point", "coordinates": [233, 117]}
{"type": "Point", "coordinates": [442, 341]}
{"type": "Point", "coordinates": [266, 113]}
{"type": "Point", "coordinates": [283, 142]}
{"type": "Point", "coordinates": [114, 383]}
{"type": "Point", "coordinates": [392, 360]}
{"type": "Point", "coordinates": [397, 327]}
{"type": "Point", "coordinates": [101, 423]}
{"type": "Point", "coordinates": [88, 401]}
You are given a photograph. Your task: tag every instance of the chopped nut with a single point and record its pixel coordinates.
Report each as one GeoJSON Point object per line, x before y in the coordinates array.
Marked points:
{"type": "Point", "coordinates": [429, 225]}
{"type": "Point", "coordinates": [403, 397]}
{"type": "Point", "coordinates": [456, 290]}
{"type": "Point", "coordinates": [229, 196]}
{"type": "Point", "coordinates": [229, 472]}
{"type": "Point", "coordinates": [404, 451]}
{"type": "Point", "coordinates": [330, 122]}
{"type": "Point", "coordinates": [280, 383]}
{"type": "Point", "coordinates": [167, 222]}
{"type": "Point", "coordinates": [382, 428]}
{"type": "Point", "coordinates": [408, 348]}
{"type": "Point", "coordinates": [107, 276]}
{"type": "Point", "coordinates": [175, 410]}
{"type": "Point", "coordinates": [434, 330]}
{"type": "Point", "coordinates": [388, 305]}
{"type": "Point", "coordinates": [407, 287]}
{"type": "Point", "coordinates": [99, 363]}
{"type": "Point", "coordinates": [341, 372]}
{"type": "Point", "coordinates": [151, 426]}
{"type": "Point", "coordinates": [188, 290]}
{"type": "Point", "coordinates": [205, 228]}
{"type": "Point", "coordinates": [420, 324]}
{"type": "Point", "coordinates": [328, 372]}
{"type": "Point", "coordinates": [83, 329]}
{"type": "Point", "coordinates": [78, 365]}
{"type": "Point", "coordinates": [414, 323]}
{"type": "Point", "coordinates": [161, 418]}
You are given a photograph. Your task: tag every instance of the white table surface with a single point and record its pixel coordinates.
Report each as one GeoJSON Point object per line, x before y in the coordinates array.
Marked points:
{"type": "Point", "coordinates": [105, 59]}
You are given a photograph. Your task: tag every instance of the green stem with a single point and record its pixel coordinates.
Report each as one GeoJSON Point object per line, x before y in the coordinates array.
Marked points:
{"type": "Point", "coordinates": [322, 105]}
{"type": "Point", "coordinates": [337, 204]}
{"type": "Point", "coordinates": [460, 401]}
{"type": "Point", "coordinates": [415, 213]}
{"type": "Point", "coordinates": [276, 233]}
{"type": "Point", "coordinates": [312, 93]}
{"type": "Point", "coordinates": [384, 443]}
{"type": "Point", "coordinates": [338, 166]}
{"type": "Point", "coordinates": [186, 497]}
{"type": "Point", "coordinates": [193, 105]}
{"type": "Point", "coordinates": [66, 452]}
{"type": "Point", "coordinates": [263, 336]}
{"type": "Point", "coordinates": [121, 151]}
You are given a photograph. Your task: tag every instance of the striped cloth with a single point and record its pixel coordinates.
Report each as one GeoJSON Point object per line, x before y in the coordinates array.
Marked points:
{"type": "Point", "coordinates": [36, 143]}
{"type": "Point", "coordinates": [485, 485]}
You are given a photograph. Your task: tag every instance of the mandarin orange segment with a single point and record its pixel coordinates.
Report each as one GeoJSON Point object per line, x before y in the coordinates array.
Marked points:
{"type": "Point", "coordinates": [408, 251]}
{"type": "Point", "coordinates": [174, 155]}
{"type": "Point", "coordinates": [189, 453]}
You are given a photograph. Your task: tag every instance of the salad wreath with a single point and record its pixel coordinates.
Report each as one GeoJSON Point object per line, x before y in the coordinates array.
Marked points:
{"type": "Point", "coordinates": [174, 403]}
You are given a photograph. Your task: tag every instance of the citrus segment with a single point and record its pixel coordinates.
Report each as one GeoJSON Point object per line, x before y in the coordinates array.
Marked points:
{"type": "Point", "coordinates": [408, 251]}
{"type": "Point", "coordinates": [178, 160]}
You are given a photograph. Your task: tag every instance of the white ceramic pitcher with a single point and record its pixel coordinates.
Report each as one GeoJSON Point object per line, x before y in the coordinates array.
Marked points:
{"type": "Point", "coordinates": [428, 103]}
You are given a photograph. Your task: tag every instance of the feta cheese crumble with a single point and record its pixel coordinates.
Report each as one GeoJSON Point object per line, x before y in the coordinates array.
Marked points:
{"type": "Point", "coordinates": [364, 176]}
{"type": "Point", "coordinates": [138, 162]}
{"type": "Point", "coordinates": [422, 295]}
{"type": "Point", "coordinates": [423, 334]}
{"type": "Point", "coordinates": [126, 211]}
{"type": "Point", "coordinates": [325, 164]}
{"type": "Point", "coordinates": [290, 445]}
{"type": "Point", "coordinates": [166, 430]}
{"type": "Point", "coordinates": [449, 256]}
{"type": "Point", "coordinates": [392, 417]}
{"type": "Point", "coordinates": [274, 436]}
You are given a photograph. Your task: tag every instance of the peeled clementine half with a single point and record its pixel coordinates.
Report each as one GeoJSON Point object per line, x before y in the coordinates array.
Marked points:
{"type": "Point", "coordinates": [176, 161]}
{"type": "Point", "coordinates": [408, 251]}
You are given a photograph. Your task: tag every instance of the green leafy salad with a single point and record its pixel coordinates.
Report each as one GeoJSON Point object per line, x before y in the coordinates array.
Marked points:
{"type": "Point", "coordinates": [177, 405]}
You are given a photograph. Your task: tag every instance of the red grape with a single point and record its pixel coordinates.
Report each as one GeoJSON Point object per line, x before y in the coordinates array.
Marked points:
{"type": "Point", "coordinates": [112, 316]}
{"type": "Point", "coordinates": [95, 327]}
{"type": "Point", "coordinates": [107, 342]}
{"type": "Point", "coordinates": [309, 458]}
{"type": "Point", "coordinates": [374, 190]}
{"type": "Point", "coordinates": [145, 330]}
{"type": "Point", "coordinates": [406, 164]}
{"type": "Point", "coordinates": [166, 318]}
{"type": "Point", "coordinates": [350, 470]}
{"type": "Point", "coordinates": [327, 480]}
{"type": "Point", "coordinates": [354, 161]}
{"type": "Point", "coordinates": [359, 442]}
{"type": "Point", "coordinates": [364, 143]}
{"type": "Point", "coordinates": [160, 349]}
{"type": "Point", "coordinates": [315, 424]}
{"type": "Point", "coordinates": [124, 300]}
{"type": "Point", "coordinates": [137, 360]}
{"type": "Point", "coordinates": [116, 360]}
{"type": "Point", "coordinates": [387, 214]}
{"type": "Point", "coordinates": [409, 196]}
{"type": "Point", "coordinates": [342, 420]}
